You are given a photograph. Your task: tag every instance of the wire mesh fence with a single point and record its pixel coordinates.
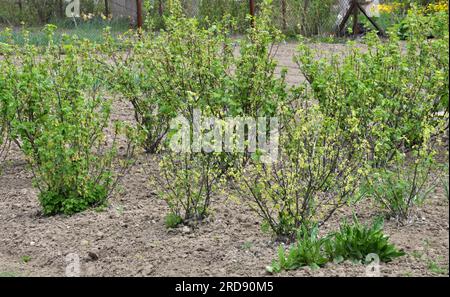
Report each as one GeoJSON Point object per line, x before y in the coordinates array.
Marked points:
{"type": "Point", "coordinates": [306, 17]}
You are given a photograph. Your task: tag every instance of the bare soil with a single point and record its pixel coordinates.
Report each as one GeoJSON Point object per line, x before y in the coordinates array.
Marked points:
{"type": "Point", "coordinates": [129, 238]}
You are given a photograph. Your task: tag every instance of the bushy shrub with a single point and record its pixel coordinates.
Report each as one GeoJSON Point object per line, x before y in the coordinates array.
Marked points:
{"type": "Point", "coordinates": [394, 95]}
{"type": "Point", "coordinates": [185, 69]}
{"type": "Point", "coordinates": [6, 53]}
{"type": "Point", "coordinates": [318, 170]}
{"type": "Point", "coordinates": [402, 185]}
{"type": "Point", "coordinates": [426, 22]}
{"type": "Point", "coordinates": [161, 72]}
{"type": "Point", "coordinates": [398, 97]}
{"type": "Point", "coordinates": [187, 183]}
{"type": "Point", "coordinates": [60, 123]}
{"type": "Point", "coordinates": [305, 17]}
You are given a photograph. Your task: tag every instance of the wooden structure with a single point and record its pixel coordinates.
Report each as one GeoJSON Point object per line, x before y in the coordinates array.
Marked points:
{"type": "Point", "coordinates": [353, 8]}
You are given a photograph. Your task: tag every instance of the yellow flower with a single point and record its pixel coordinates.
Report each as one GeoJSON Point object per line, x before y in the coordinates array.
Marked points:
{"type": "Point", "coordinates": [389, 8]}
{"type": "Point", "coordinates": [441, 6]}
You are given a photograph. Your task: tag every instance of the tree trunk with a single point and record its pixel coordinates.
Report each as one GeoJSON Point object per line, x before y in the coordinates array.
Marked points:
{"type": "Point", "coordinates": [61, 8]}
{"type": "Point", "coordinates": [106, 8]}
{"type": "Point", "coordinates": [160, 8]}
{"type": "Point", "coordinates": [283, 14]}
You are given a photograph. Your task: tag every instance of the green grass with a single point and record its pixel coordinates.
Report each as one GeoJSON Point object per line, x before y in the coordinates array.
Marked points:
{"type": "Point", "coordinates": [435, 268]}
{"type": "Point", "coordinates": [7, 274]}
{"type": "Point", "coordinates": [26, 259]}
{"type": "Point", "coordinates": [91, 30]}
{"type": "Point", "coordinates": [247, 245]}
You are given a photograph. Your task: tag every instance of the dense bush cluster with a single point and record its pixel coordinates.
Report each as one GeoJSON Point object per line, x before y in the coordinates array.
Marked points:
{"type": "Point", "coordinates": [318, 171]}
{"type": "Point", "coordinates": [366, 124]}
{"type": "Point", "coordinates": [57, 114]}
{"type": "Point", "coordinates": [398, 97]}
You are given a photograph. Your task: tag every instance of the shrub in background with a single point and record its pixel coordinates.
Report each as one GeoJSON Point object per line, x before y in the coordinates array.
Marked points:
{"type": "Point", "coordinates": [402, 185]}
{"type": "Point", "coordinates": [161, 72]}
{"type": "Point", "coordinates": [398, 98]}
{"type": "Point", "coordinates": [6, 97]}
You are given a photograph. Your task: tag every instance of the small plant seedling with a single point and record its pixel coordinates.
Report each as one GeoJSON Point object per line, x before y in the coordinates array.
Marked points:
{"type": "Point", "coordinates": [172, 220]}
{"type": "Point", "coordinates": [119, 209]}
{"type": "Point", "coordinates": [247, 245]}
{"type": "Point", "coordinates": [26, 259]}
{"type": "Point", "coordinates": [435, 268]}
{"type": "Point", "coordinates": [7, 274]}
{"type": "Point", "coordinates": [417, 254]}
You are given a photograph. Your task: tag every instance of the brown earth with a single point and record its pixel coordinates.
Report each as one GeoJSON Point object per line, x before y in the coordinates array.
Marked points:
{"type": "Point", "coordinates": [129, 238]}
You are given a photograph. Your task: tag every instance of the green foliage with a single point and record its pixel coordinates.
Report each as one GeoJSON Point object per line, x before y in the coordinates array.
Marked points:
{"type": "Point", "coordinates": [352, 242]}
{"type": "Point", "coordinates": [308, 251]}
{"type": "Point", "coordinates": [187, 183]}
{"type": "Point", "coordinates": [400, 187]}
{"type": "Point", "coordinates": [60, 122]}
{"type": "Point", "coordinates": [255, 87]}
{"type": "Point", "coordinates": [395, 97]}
{"type": "Point", "coordinates": [172, 220]}
{"type": "Point", "coordinates": [26, 259]}
{"type": "Point", "coordinates": [436, 268]}
{"type": "Point", "coordinates": [445, 182]}
{"type": "Point", "coordinates": [171, 73]}
{"type": "Point", "coordinates": [356, 241]}
{"type": "Point", "coordinates": [213, 11]}
{"type": "Point", "coordinates": [317, 172]}
{"type": "Point", "coordinates": [429, 25]}
{"type": "Point", "coordinates": [39, 12]}
{"type": "Point", "coordinates": [306, 17]}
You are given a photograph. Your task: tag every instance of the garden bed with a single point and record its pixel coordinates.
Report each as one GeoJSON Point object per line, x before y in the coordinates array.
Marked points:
{"type": "Point", "coordinates": [129, 238]}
